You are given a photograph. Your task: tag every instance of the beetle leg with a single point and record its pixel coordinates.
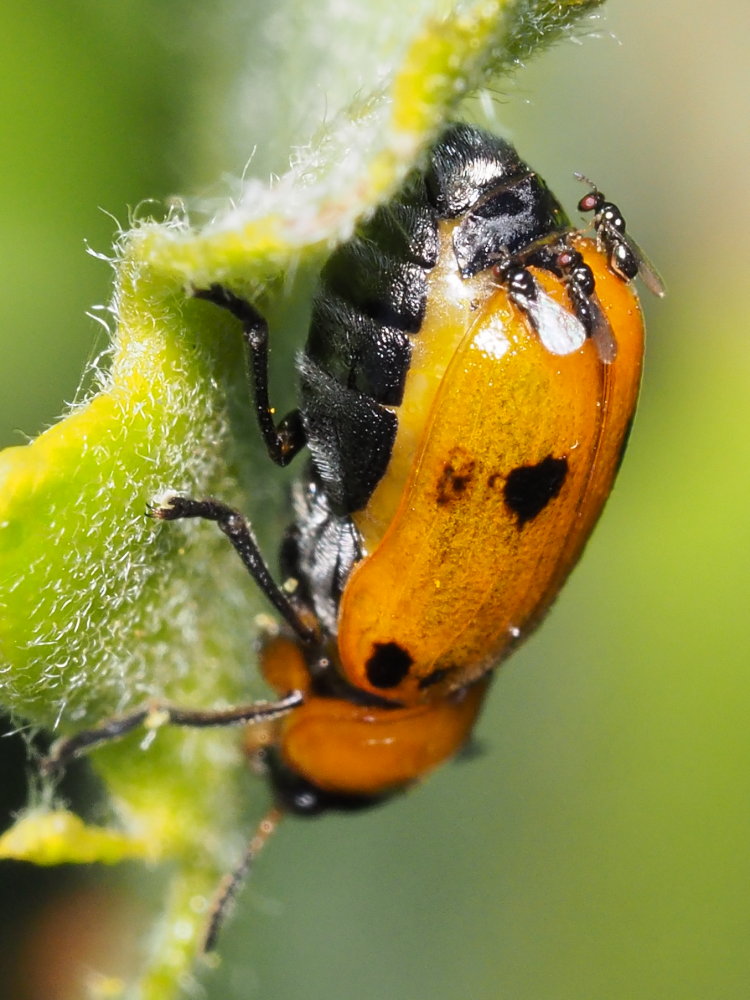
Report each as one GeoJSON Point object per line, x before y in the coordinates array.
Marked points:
{"type": "Point", "coordinates": [239, 533]}
{"type": "Point", "coordinates": [282, 440]}
{"type": "Point", "coordinates": [159, 713]}
{"type": "Point", "coordinates": [233, 880]}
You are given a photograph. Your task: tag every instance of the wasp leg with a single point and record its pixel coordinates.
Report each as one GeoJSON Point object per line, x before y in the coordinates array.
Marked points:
{"type": "Point", "coordinates": [159, 713]}
{"type": "Point", "coordinates": [238, 531]}
{"type": "Point", "coordinates": [282, 440]}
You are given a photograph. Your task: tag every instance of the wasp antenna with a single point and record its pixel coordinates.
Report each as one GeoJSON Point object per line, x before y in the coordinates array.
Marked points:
{"type": "Point", "coordinates": [585, 180]}
{"type": "Point", "coordinates": [232, 882]}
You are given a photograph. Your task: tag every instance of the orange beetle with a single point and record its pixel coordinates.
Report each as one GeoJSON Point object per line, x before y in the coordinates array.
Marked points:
{"type": "Point", "coordinates": [466, 391]}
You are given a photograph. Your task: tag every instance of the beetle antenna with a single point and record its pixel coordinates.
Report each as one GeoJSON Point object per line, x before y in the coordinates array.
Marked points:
{"type": "Point", "coordinates": [232, 882]}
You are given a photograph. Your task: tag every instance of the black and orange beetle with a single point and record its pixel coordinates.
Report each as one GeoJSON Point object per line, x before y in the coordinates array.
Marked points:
{"type": "Point", "coordinates": [465, 395]}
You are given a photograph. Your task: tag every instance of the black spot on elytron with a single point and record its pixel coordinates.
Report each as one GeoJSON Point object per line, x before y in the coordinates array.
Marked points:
{"type": "Point", "coordinates": [388, 665]}
{"type": "Point", "coordinates": [434, 678]}
{"type": "Point", "coordinates": [455, 478]}
{"type": "Point", "coordinates": [529, 488]}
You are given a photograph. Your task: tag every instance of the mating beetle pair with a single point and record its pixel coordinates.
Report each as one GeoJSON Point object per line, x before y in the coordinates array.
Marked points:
{"type": "Point", "coordinates": [465, 395]}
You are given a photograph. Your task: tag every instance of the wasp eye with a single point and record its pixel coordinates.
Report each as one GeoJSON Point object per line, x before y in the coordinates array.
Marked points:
{"type": "Point", "coordinates": [590, 202]}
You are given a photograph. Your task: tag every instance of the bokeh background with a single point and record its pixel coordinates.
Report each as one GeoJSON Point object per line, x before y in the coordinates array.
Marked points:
{"type": "Point", "coordinates": [596, 844]}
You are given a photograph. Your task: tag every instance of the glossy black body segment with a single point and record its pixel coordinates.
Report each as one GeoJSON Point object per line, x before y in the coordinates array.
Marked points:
{"type": "Point", "coordinates": [507, 223]}
{"type": "Point", "coordinates": [319, 550]}
{"type": "Point", "coordinates": [371, 303]}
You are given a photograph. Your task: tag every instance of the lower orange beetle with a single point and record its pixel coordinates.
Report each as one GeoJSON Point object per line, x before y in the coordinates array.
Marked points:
{"type": "Point", "coordinates": [466, 391]}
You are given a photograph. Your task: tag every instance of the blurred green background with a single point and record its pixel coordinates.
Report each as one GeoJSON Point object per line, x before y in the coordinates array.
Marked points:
{"type": "Point", "coordinates": [597, 846]}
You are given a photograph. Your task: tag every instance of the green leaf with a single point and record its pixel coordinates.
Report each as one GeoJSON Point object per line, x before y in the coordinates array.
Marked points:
{"type": "Point", "coordinates": [104, 608]}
